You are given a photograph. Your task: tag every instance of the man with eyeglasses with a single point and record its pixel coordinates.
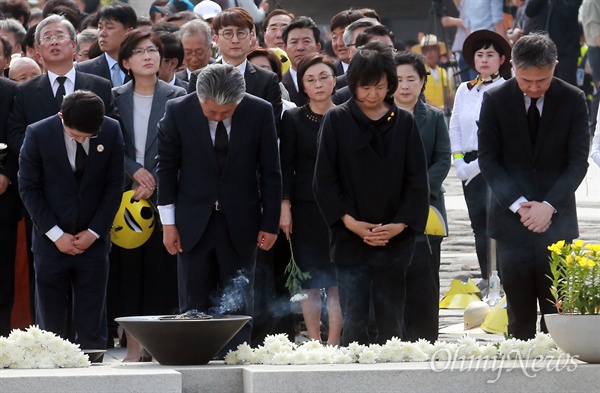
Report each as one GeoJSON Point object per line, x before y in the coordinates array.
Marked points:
{"type": "Point", "coordinates": [41, 96]}
{"type": "Point", "coordinates": [233, 29]}
{"type": "Point", "coordinates": [114, 21]}
{"type": "Point", "coordinates": [71, 180]}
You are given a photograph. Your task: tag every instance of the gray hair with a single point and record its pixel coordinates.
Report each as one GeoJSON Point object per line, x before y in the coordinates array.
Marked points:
{"type": "Point", "coordinates": [196, 27]}
{"type": "Point", "coordinates": [534, 50]}
{"type": "Point", "coordinates": [222, 83]}
{"type": "Point", "coordinates": [54, 19]}
{"type": "Point", "coordinates": [87, 35]}
{"type": "Point", "coordinates": [13, 26]}
{"type": "Point", "coordinates": [357, 24]}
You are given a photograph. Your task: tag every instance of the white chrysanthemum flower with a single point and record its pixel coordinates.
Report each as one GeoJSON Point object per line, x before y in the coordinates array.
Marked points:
{"type": "Point", "coordinates": [46, 361]}
{"type": "Point", "coordinates": [343, 358]}
{"type": "Point", "coordinates": [524, 348]}
{"type": "Point", "coordinates": [489, 351]}
{"type": "Point", "coordinates": [315, 356]}
{"type": "Point", "coordinates": [440, 351]}
{"type": "Point", "coordinates": [506, 347]}
{"type": "Point", "coordinates": [425, 346]}
{"type": "Point", "coordinates": [419, 356]}
{"type": "Point", "coordinates": [385, 354]}
{"type": "Point", "coordinates": [394, 343]}
{"type": "Point", "coordinates": [311, 345]}
{"type": "Point", "coordinates": [299, 357]}
{"type": "Point", "coordinates": [244, 352]}
{"type": "Point", "coordinates": [281, 358]}
{"type": "Point", "coordinates": [367, 356]}
{"type": "Point", "coordinates": [299, 297]}
{"type": "Point", "coordinates": [232, 358]}
{"type": "Point", "coordinates": [467, 347]}
{"type": "Point", "coordinates": [555, 353]}
{"type": "Point", "coordinates": [544, 340]}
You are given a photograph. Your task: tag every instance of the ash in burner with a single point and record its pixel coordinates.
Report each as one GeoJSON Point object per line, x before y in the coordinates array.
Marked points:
{"type": "Point", "coordinates": [192, 314]}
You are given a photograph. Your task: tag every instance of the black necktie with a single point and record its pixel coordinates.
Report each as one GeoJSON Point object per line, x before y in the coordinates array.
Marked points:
{"type": "Point", "coordinates": [533, 120]}
{"type": "Point", "coordinates": [60, 92]}
{"type": "Point", "coordinates": [221, 143]}
{"type": "Point", "coordinates": [80, 160]}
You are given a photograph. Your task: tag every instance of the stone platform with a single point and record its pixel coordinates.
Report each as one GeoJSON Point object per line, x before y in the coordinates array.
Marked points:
{"type": "Point", "coordinates": [565, 375]}
{"type": "Point", "coordinates": [458, 258]}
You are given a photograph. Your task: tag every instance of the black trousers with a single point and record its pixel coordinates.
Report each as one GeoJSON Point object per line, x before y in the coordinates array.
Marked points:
{"type": "Point", "coordinates": [214, 278]}
{"type": "Point", "coordinates": [86, 277]}
{"type": "Point", "coordinates": [524, 268]}
{"type": "Point", "coordinates": [476, 197]}
{"type": "Point", "coordinates": [422, 311]}
{"type": "Point", "coordinates": [387, 284]}
{"type": "Point", "coordinates": [8, 247]}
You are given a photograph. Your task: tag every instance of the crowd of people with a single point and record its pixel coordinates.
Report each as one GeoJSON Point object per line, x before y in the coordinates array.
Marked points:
{"type": "Point", "coordinates": [255, 144]}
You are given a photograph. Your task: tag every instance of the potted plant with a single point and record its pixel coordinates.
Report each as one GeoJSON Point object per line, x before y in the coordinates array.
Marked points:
{"type": "Point", "coordinates": [575, 275]}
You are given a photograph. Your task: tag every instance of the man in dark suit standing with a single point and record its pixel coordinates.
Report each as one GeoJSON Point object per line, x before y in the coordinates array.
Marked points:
{"type": "Point", "coordinates": [71, 181]}
{"type": "Point", "coordinates": [114, 21]}
{"type": "Point", "coordinates": [219, 187]}
{"type": "Point", "coordinates": [234, 36]}
{"type": "Point", "coordinates": [10, 207]}
{"type": "Point", "coordinates": [301, 38]}
{"type": "Point", "coordinates": [41, 96]}
{"type": "Point", "coordinates": [533, 149]}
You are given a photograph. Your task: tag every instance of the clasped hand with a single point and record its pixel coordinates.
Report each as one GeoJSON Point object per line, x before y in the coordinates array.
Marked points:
{"type": "Point", "coordinates": [75, 244]}
{"type": "Point", "coordinates": [373, 234]}
{"type": "Point", "coordinates": [536, 216]}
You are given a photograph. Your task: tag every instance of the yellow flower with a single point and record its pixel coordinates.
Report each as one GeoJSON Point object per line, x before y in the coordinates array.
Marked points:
{"type": "Point", "coordinates": [590, 263]}
{"type": "Point", "coordinates": [579, 243]}
{"type": "Point", "coordinates": [557, 247]}
{"type": "Point", "coordinates": [569, 260]}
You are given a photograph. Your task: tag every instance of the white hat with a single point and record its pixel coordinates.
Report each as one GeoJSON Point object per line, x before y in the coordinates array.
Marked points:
{"type": "Point", "coordinates": [475, 314]}
{"type": "Point", "coordinates": [207, 9]}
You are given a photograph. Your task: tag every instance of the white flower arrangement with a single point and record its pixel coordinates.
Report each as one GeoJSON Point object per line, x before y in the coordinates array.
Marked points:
{"type": "Point", "coordinates": [278, 349]}
{"type": "Point", "coordinates": [37, 348]}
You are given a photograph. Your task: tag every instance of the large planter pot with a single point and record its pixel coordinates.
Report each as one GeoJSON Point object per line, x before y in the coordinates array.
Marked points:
{"type": "Point", "coordinates": [578, 335]}
{"type": "Point", "coordinates": [183, 341]}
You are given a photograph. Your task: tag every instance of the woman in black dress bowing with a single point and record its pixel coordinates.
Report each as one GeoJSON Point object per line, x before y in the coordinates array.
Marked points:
{"type": "Point", "coordinates": [300, 217]}
{"type": "Point", "coordinates": [371, 186]}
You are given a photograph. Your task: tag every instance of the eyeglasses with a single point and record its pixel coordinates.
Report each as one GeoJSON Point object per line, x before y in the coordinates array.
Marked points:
{"type": "Point", "coordinates": [151, 50]}
{"type": "Point", "coordinates": [59, 38]}
{"type": "Point", "coordinates": [228, 34]}
{"type": "Point", "coordinates": [313, 81]}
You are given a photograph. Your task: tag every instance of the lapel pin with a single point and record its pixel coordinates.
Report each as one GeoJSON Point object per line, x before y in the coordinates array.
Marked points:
{"type": "Point", "coordinates": [100, 148]}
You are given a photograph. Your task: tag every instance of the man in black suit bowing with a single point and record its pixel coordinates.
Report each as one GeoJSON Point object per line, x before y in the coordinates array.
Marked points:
{"type": "Point", "coordinates": [71, 182]}
{"type": "Point", "coordinates": [219, 186]}
{"type": "Point", "coordinates": [533, 149]}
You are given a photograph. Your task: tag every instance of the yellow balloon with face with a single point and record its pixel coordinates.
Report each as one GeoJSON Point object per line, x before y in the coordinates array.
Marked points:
{"type": "Point", "coordinates": [133, 223]}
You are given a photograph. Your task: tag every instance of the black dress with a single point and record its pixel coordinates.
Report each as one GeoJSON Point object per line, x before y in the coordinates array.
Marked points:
{"type": "Point", "coordinates": [310, 234]}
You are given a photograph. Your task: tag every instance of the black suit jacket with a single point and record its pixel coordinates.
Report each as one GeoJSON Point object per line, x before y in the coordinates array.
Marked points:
{"type": "Point", "coordinates": [550, 172]}
{"type": "Point", "coordinates": [34, 101]}
{"type": "Point", "coordinates": [249, 190]}
{"type": "Point", "coordinates": [181, 83]}
{"type": "Point", "coordinates": [49, 189]}
{"type": "Point", "coordinates": [352, 178]}
{"type": "Point", "coordinates": [9, 200]}
{"type": "Point", "coordinates": [183, 75]}
{"type": "Point", "coordinates": [98, 66]}
{"type": "Point", "coordinates": [295, 96]}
